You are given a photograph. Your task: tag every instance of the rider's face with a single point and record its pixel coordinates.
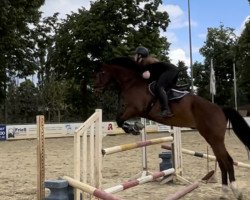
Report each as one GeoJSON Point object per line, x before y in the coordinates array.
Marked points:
{"type": "Point", "coordinates": [136, 57]}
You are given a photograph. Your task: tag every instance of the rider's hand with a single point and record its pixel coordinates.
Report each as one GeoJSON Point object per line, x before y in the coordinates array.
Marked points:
{"type": "Point", "coordinates": [146, 75]}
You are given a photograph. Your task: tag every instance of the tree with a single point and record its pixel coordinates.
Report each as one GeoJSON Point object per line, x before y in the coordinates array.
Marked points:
{"type": "Point", "coordinates": [45, 32]}
{"type": "Point", "coordinates": [243, 65]}
{"type": "Point", "coordinates": [12, 103]}
{"type": "Point", "coordinates": [201, 80]}
{"type": "Point", "coordinates": [17, 17]}
{"type": "Point", "coordinates": [184, 78]}
{"type": "Point", "coordinates": [53, 99]}
{"type": "Point", "coordinates": [219, 46]}
{"type": "Point", "coordinates": [17, 44]}
{"type": "Point", "coordinates": [27, 95]}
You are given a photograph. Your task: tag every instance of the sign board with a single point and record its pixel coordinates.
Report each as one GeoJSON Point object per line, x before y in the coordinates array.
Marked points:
{"type": "Point", "coordinates": [3, 132]}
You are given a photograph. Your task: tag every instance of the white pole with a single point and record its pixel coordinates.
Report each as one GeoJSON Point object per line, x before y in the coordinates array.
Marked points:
{"type": "Point", "coordinates": [144, 149]}
{"type": "Point", "coordinates": [190, 47]}
{"type": "Point", "coordinates": [235, 89]}
{"type": "Point", "coordinates": [211, 66]}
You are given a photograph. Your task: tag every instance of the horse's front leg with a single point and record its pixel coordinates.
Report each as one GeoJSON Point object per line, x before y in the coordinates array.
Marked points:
{"type": "Point", "coordinates": [128, 128]}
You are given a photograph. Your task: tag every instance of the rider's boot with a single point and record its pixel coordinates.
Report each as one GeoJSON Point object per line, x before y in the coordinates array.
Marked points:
{"type": "Point", "coordinates": [165, 109]}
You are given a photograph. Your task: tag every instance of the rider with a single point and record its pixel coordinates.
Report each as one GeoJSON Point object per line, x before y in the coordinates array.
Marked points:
{"type": "Point", "coordinates": [165, 74]}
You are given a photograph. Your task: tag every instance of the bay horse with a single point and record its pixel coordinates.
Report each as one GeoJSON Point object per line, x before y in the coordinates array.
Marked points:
{"type": "Point", "coordinates": [190, 111]}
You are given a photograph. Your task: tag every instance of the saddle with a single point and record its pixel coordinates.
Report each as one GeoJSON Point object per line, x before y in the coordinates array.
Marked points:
{"type": "Point", "coordinates": [175, 93]}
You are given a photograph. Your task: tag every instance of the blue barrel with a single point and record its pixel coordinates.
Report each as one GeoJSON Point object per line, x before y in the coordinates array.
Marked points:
{"type": "Point", "coordinates": [166, 160]}
{"type": "Point", "coordinates": [59, 190]}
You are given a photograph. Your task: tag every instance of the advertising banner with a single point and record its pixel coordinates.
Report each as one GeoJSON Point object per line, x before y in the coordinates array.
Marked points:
{"type": "Point", "coordinates": [3, 132]}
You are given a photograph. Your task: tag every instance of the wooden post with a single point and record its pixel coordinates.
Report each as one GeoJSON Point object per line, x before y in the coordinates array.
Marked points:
{"type": "Point", "coordinates": [98, 149]}
{"type": "Point", "coordinates": [88, 151]}
{"type": "Point", "coordinates": [177, 151]}
{"type": "Point", "coordinates": [40, 158]}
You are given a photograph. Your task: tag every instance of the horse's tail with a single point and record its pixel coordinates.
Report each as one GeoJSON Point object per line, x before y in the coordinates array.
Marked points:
{"type": "Point", "coordinates": [239, 125]}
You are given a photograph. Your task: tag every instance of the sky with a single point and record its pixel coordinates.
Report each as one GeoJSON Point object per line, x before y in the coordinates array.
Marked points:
{"type": "Point", "coordinates": [204, 14]}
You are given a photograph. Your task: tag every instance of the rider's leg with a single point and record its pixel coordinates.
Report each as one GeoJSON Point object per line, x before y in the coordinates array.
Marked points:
{"type": "Point", "coordinates": [163, 98]}
{"type": "Point", "coordinates": [164, 84]}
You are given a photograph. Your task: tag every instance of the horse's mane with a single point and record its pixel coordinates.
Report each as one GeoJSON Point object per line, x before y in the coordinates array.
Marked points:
{"type": "Point", "coordinates": [125, 62]}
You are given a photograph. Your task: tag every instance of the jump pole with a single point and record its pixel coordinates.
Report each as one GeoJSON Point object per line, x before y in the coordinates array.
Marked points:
{"type": "Point", "coordinates": [139, 181]}
{"type": "Point", "coordinates": [183, 191]}
{"type": "Point", "coordinates": [40, 157]}
{"type": "Point", "coordinates": [144, 151]}
{"type": "Point", "coordinates": [203, 155]}
{"type": "Point", "coordinates": [90, 189]}
{"type": "Point", "coordinates": [125, 147]}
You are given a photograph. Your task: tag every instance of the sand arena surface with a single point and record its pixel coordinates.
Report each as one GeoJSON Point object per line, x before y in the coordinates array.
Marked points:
{"type": "Point", "coordinates": [18, 167]}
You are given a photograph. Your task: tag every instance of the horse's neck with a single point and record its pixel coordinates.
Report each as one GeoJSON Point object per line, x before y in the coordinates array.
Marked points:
{"type": "Point", "coordinates": [126, 80]}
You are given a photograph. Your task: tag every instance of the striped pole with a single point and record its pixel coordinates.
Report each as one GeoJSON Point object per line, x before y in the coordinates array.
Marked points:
{"type": "Point", "coordinates": [183, 192]}
{"type": "Point", "coordinates": [130, 146]}
{"type": "Point", "coordinates": [139, 181]}
{"type": "Point", "coordinates": [40, 157]}
{"type": "Point", "coordinates": [203, 155]}
{"type": "Point", "coordinates": [90, 190]}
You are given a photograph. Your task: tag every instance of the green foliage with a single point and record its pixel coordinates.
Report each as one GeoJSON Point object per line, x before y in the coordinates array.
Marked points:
{"type": "Point", "coordinates": [44, 33]}
{"type": "Point", "coordinates": [183, 75]}
{"type": "Point", "coordinates": [219, 46]}
{"type": "Point", "coordinates": [201, 79]}
{"type": "Point", "coordinates": [108, 29]}
{"type": "Point", "coordinates": [53, 99]}
{"type": "Point", "coordinates": [22, 102]}
{"type": "Point", "coordinates": [243, 65]}
{"type": "Point", "coordinates": [17, 44]}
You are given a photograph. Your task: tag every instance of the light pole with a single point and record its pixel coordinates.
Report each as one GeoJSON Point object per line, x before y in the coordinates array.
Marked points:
{"type": "Point", "coordinates": [235, 87]}
{"type": "Point", "coordinates": [190, 48]}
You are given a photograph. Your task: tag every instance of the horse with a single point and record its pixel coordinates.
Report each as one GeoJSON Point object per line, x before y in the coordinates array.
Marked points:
{"type": "Point", "coordinates": [190, 111]}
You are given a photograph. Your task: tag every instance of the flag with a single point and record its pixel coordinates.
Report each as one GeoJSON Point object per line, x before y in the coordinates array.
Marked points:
{"type": "Point", "coordinates": [212, 79]}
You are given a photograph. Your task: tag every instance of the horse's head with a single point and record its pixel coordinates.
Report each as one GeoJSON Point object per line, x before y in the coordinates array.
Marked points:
{"type": "Point", "coordinates": [123, 70]}
{"type": "Point", "coordinates": [102, 78]}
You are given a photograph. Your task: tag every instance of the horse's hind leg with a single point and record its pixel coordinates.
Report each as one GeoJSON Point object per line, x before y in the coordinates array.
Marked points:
{"type": "Point", "coordinates": [224, 179]}
{"type": "Point", "coordinates": [234, 186]}
{"type": "Point", "coordinates": [227, 170]}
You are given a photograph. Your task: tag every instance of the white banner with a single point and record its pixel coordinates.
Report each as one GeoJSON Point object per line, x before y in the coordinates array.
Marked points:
{"type": "Point", "coordinates": [212, 79]}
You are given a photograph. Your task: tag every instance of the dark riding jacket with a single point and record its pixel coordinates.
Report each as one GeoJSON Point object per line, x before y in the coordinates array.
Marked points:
{"type": "Point", "coordinates": [159, 69]}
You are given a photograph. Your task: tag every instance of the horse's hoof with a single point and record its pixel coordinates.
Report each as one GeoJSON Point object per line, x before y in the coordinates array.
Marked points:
{"type": "Point", "coordinates": [139, 125]}
{"type": "Point", "coordinates": [225, 191]}
{"type": "Point", "coordinates": [237, 193]}
{"type": "Point", "coordinates": [135, 131]}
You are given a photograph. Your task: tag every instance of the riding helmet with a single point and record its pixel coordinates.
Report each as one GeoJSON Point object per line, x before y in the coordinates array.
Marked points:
{"type": "Point", "coordinates": [142, 51]}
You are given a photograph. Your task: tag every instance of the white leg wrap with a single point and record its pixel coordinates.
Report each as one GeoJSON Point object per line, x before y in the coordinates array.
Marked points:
{"type": "Point", "coordinates": [237, 193]}
{"type": "Point", "coordinates": [225, 190]}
